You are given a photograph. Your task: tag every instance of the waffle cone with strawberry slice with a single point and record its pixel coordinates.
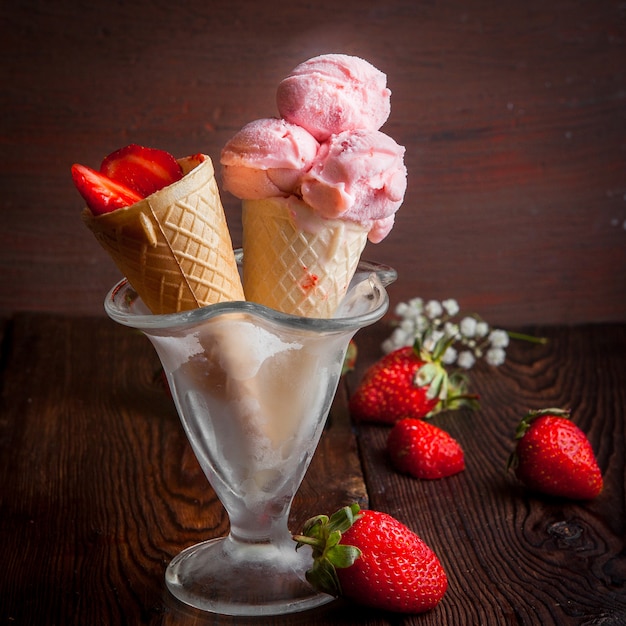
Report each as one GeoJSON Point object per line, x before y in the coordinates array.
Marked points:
{"type": "Point", "coordinates": [173, 245]}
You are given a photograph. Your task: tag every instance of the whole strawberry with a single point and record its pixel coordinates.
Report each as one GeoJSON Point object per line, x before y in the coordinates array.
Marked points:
{"type": "Point", "coordinates": [373, 559]}
{"type": "Point", "coordinates": [554, 456]}
{"type": "Point", "coordinates": [408, 382]}
{"type": "Point", "coordinates": [424, 450]}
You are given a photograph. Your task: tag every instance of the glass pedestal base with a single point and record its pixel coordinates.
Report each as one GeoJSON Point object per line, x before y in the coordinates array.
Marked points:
{"type": "Point", "coordinates": [236, 578]}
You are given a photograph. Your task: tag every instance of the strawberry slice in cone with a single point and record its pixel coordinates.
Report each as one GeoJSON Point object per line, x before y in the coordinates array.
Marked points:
{"type": "Point", "coordinates": [145, 170]}
{"type": "Point", "coordinates": [101, 193]}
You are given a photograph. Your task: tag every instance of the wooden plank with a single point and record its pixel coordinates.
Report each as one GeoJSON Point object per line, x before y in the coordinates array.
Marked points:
{"type": "Point", "coordinates": [512, 556]}
{"type": "Point", "coordinates": [99, 488]}
{"type": "Point", "coordinates": [512, 114]}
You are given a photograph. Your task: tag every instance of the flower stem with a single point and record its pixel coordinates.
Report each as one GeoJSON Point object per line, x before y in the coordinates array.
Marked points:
{"type": "Point", "coordinates": [524, 337]}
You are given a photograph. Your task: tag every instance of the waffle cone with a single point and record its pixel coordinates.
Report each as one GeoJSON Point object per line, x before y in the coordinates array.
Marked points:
{"type": "Point", "coordinates": [174, 246]}
{"type": "Point", "coordinates": [295, 261]}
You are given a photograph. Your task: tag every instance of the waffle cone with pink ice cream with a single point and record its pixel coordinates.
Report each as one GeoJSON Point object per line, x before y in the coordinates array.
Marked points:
{"type": "Point", "coordinates": [316, 184]}
{"type": "Point", "coordinates": [174, 246]}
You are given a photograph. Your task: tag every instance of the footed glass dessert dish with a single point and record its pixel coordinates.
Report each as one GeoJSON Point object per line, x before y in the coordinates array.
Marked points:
{"type": "Point", "coordinates": [253, 388]}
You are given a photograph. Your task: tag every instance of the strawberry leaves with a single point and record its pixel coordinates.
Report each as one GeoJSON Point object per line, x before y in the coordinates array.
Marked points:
{"type": "Point", "coordinates": [323, 534]}
{"type": "Point", "coordinates": [531, 416]}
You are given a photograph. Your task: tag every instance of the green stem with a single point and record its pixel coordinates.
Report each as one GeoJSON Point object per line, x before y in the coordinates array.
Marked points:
{"type": "Point", "coordinates": [308, 541]}
{"type": "Point", "coordinates": [524, 337]}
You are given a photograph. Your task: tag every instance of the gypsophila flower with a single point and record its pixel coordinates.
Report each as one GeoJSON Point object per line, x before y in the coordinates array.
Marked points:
{"type": "Point", "coordinates": [417, 304]}
{"type": "Point", "coordinates": [451, 329]}
{"type": "Point", "coordinates": [402, 336]}
{"type": "Point", "coordinates": [445, 338]}
{"type": "Point", "coordinates": [436, 323]}
{"type": "Point", "coordinates": [468, 327]}
{"type": "Point", "coordinates": [450, 355]}
{"type": "Point", "coordinates": [433, 309]}
{"type": "Point", "coordinates": [402, 310]}
{"type": "Point", "coordinates": [482, 329]}
{"type": "Point", "coordinates": [499, 338]}
{"type": "Point", "coordinates": [407, 326]}
{"type": "Point", "coordinates": [456, 338]}
{"type": "Point", "coordinates": [451, 306]}
{"type": "Point", "coordinates": [495, 356]}
{"type": "Point", "coordinates": [388, 346]}
{"type": "Point", "coordinates": [466, 359]}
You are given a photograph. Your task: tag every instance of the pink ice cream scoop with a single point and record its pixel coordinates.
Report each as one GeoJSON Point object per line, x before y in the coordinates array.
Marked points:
{"type": "Point", "coordinates": [359, 176]}
{"type": "Point", "coordinates": [267, 158]}
{"type": "Point", "coordinates": [332, 93]}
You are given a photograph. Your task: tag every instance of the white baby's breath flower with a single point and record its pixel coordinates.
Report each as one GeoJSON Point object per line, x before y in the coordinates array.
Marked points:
{"type": "Point", "coordinates": [421, 323]}
{"type": "Point", "coordinates": [449, 356]}
{"type": "Point", "coordinates": [468, 327]}
{"type": "Point", "coordinates": [466, 359]}
{"type": "Point", "coordinates": [416, 304]}
{"type": "Point", "coordinates": [495, 356]}
{"type": "Point", "coordinates": [430, 321]}
{"type": "Point", "coordinates": [482, 328]}
{"type": "Point", "coordinates": [451, 306]}
{"type": "Point", "coordinates": [431, 341]}
{"type": "Point", "coordinates": [402, 309]}
{"type": "Point", "coordinates": [407, 326]}
{"type": "Point", "coordinates": [437, 335]}
{"type": "Point", "coordinates": [499, 338]}
{"type": "Point", "coordinates": [401, 338]}
{"type": "Point", "coordinates": [433, 309]}
{"type": "Point", "coordinates": [451, 329]}
{"type": "Point", "coordinates": [388, 346]}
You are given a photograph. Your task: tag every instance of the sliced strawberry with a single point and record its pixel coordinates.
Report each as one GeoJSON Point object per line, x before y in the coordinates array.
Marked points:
{"type": "Point", "coordinates": [102, 194]}
{"type": "Point", "coordinates": [145, 170]}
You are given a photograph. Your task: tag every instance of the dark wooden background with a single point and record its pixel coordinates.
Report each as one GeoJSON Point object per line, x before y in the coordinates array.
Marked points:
{"type": "Point", "coordinates": [513, 115]}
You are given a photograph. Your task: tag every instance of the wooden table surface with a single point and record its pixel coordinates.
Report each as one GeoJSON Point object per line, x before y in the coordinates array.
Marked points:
{"type": "Point", "coordinates": [99, 488]}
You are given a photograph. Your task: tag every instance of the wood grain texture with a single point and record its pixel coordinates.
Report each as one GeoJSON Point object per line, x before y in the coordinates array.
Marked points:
{"type": "Point", "coordinates": [513, 116]}
{"type": "Point", "coordinates": [99, 488]}
{"type": "Point", "coordinates": [513, 557]}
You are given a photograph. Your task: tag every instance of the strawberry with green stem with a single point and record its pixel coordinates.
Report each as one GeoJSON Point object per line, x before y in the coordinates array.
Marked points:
{"type": "Point", "coordinates": [410, 382]}
{"type": "Point", "coordinates": [373, 559]}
